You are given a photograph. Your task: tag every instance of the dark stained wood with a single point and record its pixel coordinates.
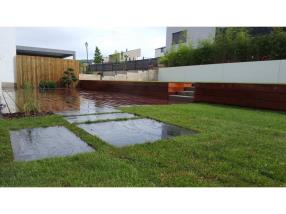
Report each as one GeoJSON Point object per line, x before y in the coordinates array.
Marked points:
{"type": "Point", "coordinates": [267, 96]}
{"type": "Point", "coordinates": [156, 90]}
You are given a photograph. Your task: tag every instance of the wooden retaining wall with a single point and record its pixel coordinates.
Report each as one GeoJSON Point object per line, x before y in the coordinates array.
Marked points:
{"type": "Point", "coordinates": [267, 96]}
{"type": "Point", "coordinates": [158, 90]}
{"type": "Point", "coordinates": [33, 69]}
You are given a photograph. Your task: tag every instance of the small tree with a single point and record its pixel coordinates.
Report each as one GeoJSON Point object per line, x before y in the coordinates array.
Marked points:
{"type": "Point", "coordinates": [68, 78]}
{"type": "Point", "coordinates": [97, 56]}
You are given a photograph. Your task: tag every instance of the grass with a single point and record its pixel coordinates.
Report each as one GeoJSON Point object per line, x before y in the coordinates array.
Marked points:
{"type": "Point", "coordinates": [234, 147]}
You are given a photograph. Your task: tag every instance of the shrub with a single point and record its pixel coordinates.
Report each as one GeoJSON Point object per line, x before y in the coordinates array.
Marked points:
{"type": "Point", "coordinates": [230, 45]}
{"type": "Point", "coordinates": [31, 104]}
{"type": "Point", "coordinates": [51, 84]}
{"type": "Point", "coordinates": [46, 84]}
{"type": "Point", "coordinates": [68, 78]}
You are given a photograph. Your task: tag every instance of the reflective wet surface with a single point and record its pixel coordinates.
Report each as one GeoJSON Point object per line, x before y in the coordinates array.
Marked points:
{"type": "Point", "coordinates": [40, 143]}
{"type": "Point", "coordinates": [91, 110]}
{"type": "Point", "coordinates": [137, 131]}
{"type": "Point", "coordinates": [74, 101]}
{"type": "Point", "coordinates": [87, 118]}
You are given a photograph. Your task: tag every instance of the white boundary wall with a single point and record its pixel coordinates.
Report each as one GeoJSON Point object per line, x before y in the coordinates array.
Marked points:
{"type": "Point", "coordinates": [7, 55]}
{"type": "Point", "coordinates": [131, 75]}
{"type": "Point", "coordinates": [264, 72]}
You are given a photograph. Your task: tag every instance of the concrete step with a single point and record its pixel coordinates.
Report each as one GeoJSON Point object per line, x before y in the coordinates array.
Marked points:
{"type": "Point", "coordinates": [189, 89]}
{"type": "Point", "coordinates": [186, 93]}
{"type": "Point", "coordinates": [181, 98]}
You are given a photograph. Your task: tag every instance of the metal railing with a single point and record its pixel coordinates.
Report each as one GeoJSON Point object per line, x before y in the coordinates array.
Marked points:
{"type": "Point", "coordinates": [144, 64]}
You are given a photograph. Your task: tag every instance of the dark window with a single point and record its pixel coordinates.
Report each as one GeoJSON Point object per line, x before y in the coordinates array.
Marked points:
{"type": "Point", "coordinates": [179, 37]}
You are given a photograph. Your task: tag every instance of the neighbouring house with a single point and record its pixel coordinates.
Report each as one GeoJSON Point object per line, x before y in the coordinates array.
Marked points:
{"type": "Point", "coordinates": [23, 63]}
{"type": "Point", "coordinates": [178, 35]}
{"type": "Point", "coordinates": [185, 35]}
{"type": "Point", "coordinates": [126, 55]}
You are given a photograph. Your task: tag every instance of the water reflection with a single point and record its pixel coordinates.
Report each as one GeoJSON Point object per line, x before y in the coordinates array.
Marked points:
{"type": "Point", "coordinates": [60, 100]}
{"type": "Point", "coordinates": [136, 131]}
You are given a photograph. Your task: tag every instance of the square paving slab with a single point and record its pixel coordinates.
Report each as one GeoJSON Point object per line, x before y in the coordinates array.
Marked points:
{"type": "Point", "coordinates": [40, 143]}
{"type": "Point", "coordinates": [86, 118]}
{"type": "Point", "coordinates": [137, 131]}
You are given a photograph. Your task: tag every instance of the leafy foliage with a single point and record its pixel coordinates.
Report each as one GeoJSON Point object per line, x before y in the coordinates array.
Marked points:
{"type": "Point", "coordinates": [69, 78]}
{"type": "Point", "coordinates": [31, 104]}
{"type": "Point", "coordinates": [98, 58]}
{"type": "Point", "coordinates": [115, 57]}
{"type": "Point", "coordinates": [230, 45]}
{"type": "Point", "coordinates": [47, 84]}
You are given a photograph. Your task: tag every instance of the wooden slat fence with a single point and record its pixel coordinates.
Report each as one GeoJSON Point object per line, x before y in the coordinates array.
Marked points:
{"type": "Point", "coordinates": [33, 69]}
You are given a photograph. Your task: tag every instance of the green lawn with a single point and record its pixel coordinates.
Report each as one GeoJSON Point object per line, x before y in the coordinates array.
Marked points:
{"type": "Point", "coordinates": [233, 147]}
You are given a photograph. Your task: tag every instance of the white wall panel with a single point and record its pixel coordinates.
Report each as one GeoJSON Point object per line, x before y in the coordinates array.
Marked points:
{"type": "Point", "coordinates": [269, 72]}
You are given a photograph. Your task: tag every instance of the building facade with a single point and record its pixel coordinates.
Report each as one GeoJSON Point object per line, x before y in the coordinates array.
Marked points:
{"type": "Point", "coordinates": [160, 52]}
{"type": "Point", "coordinates": [185, 35]}
{"type": "Point", "coordinates": [178, 35]}
{"type": "Point", "coordinates": [7, 57]}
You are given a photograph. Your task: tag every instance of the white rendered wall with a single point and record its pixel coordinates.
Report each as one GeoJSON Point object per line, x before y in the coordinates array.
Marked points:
{"type": "Point", "coordinates": [7, 54]}
{"type": "Point", "coordinates": [264, 72]}
{"type": "Point", "coordinates": [194, 34]}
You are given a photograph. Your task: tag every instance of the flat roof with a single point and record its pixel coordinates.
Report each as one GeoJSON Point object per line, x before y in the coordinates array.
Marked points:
{"type": "Point", "coordinates": [35, 51]}
{"type": "Point", "coordinates": [160, 47]}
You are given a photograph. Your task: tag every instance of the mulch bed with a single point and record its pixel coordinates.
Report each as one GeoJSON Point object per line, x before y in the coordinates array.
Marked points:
{"type": "Point", "coordinates": [22, 114]}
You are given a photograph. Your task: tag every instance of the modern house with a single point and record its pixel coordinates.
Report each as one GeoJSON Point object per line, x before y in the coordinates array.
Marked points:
{"type": "Point", "coordinates": [160, 51]}
{"type": "Point", "coordinates": [16, 62]}
{"type": "Point", "coordinates": [178, 35]}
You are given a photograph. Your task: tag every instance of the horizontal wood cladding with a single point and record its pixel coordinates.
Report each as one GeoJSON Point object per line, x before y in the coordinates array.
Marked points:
{"type": "Point", "coordinates": [158, 90]}
{"type": "Point", "coordinates": [33, 69]}
{"type": "Point", "coordinates": [266, 96]}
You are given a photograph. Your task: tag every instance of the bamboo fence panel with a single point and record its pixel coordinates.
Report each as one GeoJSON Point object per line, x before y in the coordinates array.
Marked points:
{"type": "Point", "coordinates": [33, 69]}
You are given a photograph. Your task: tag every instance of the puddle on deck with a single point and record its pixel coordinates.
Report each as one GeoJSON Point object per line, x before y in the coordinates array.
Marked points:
{"type": "Point", "coordinates": [87, 118]}
{"type": "Point", "coordinates": [71, 101]}
{"type": "Point", "coordinates": [40, 143]}
{"type": "Point", "coordinates": [137, 131]}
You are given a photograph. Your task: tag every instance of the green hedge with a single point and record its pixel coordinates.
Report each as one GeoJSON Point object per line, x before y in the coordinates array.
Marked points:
{"type": "Point", "coordinates": [231, 45]}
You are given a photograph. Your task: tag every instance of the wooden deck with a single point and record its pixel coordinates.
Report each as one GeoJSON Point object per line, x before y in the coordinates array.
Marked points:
{"type": "Point", "coordinates": [61, 100]}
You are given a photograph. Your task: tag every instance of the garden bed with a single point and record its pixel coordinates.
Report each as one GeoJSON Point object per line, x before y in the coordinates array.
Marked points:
{"type": "Point", "coordinates": [23, 114]}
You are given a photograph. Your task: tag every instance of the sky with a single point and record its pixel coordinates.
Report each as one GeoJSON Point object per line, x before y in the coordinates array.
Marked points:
{"type": "Point", "coordinates": [107, 39]}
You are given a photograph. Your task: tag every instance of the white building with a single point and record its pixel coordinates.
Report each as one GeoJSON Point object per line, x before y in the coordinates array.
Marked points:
{"type": "Point", "coordinates": [177, 35]}
{"type": "Point", "coordinates": [186, 35]}
{"type": "Point", "coordinates": [160, 52]}
{"type": "Point", "coordinates": [7, 57]}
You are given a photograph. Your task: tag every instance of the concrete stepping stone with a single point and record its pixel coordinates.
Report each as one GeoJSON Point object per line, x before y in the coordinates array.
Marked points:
{"type": "Point", "coordinates": [40, 143]}
{"type": "Point", "coordinates": [93, 118]}
{"type": "Point", "coordinates": [137, 131]}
